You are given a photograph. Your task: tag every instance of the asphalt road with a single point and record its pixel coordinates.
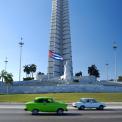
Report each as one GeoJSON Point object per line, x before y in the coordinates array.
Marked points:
{"type": "Point", "coordinates": [19, 115]}
{"type": "Point", "coordinates": [110, 105]}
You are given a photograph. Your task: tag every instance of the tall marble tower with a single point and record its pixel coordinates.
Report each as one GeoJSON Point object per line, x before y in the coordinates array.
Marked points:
{"type": "Point", "coordinates": [60, 39]}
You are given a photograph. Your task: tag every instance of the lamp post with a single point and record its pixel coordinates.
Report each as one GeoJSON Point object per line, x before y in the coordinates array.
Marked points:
{"type": "Point", "coordinates": [6, 61]}
{"type": "Point", "coordinates": [21, 45]}
{"type": "Point", "coordinates": [107, 71]}
{"type": "Point", "coordinates": [115, 61]}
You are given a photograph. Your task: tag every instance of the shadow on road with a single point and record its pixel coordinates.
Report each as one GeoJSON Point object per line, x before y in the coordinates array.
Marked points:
{"type": "Point", "coordinates": [54, 114]}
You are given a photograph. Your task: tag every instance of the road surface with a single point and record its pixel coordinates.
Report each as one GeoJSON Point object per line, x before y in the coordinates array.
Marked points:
{"type": "Point", "coordinates": [15, 113]}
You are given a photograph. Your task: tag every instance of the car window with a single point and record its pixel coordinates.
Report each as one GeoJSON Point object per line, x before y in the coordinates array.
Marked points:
{"type": "Point", "coordinates": [50, 100]}
{"type": "Point", "coordinates": [43, 100]}
{"type": "Point", "coordinates": [47, 101]}
{"type": "Point", "coordinates": [82, 100]}
{"type": "Point", "coordinates": [93, 101]}
{"type": "Point", "coordinates": [39, 100]}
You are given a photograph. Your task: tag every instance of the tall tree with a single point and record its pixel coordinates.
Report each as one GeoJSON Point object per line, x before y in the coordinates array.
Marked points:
{"type": "Point", "coordinates": [32, 69]}
{"type": "Point", "coordinates": [9, 78]}
{"type": "Point", "coordinates": [27, 70]}
{"type": "Point", "coordinates": [3, 75]}
{"type": "Point", "coordinates": [92, 70]}
{"type": "Point", "coordinates": [6, 77]}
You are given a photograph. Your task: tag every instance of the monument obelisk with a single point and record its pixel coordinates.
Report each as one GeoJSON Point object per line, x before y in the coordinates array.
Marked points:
{"type": "Point", "coordinates": [60, 39]}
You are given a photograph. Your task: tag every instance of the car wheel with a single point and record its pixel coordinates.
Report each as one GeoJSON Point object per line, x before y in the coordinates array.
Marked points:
{"type": "Point", "coordinates": [60, 111]}
{"type": "Point", "coordinates": [81, 107]}
{"type": "Point", "coordinates": [101, 107]}
{"type": "Point", "coordinates": [35, 112]}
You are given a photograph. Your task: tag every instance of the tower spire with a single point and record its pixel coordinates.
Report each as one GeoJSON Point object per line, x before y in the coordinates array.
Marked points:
{"type": "Point", "coordinates": [60, 39]}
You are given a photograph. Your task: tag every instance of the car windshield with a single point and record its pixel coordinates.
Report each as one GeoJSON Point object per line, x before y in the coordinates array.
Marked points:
{"type": "Point", "coordinates": [50, 100]}
{"type": "Point", "coordinates": [45, 100]}
{"type": "Point", "coordinates": [82, 100]}
{"type": "Point", "coordinates": [88, 100]}
{"type": "Point", "coordinates": [93, 101]}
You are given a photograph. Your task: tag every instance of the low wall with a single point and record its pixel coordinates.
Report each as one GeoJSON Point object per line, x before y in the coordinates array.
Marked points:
{"type": "Point", "coordinates": [60, 88]}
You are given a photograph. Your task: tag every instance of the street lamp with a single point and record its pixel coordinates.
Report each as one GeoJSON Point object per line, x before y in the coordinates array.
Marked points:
{"type": "Point", "coordinates": [6, 61]}
{"type": "Point", "coordinates": [107, 71]}
{"type": "Point", "coordinates": [115, 61]}
{"type": "Point", "coordinates": [21, 45]}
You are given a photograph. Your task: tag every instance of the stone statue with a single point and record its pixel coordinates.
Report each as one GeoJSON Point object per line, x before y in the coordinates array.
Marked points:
{"type": "Point", "coordinates": [67, 72]}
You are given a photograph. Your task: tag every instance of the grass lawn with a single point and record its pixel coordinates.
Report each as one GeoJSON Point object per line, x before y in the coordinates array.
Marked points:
{"type": "Point", "coordinates": [66, 97]}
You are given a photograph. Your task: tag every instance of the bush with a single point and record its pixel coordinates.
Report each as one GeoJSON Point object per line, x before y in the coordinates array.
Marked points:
{"type": "Point", "coordinates": [78, 74]}
{"type": "Point", "coordinates": [28, 78]}
{"type": "Point", "coordinates": [120, 78]}
{"type": "Point", "coordinates": [76, 81]}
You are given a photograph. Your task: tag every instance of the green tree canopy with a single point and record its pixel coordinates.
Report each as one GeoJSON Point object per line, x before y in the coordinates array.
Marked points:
{"type": "Point", "coordinates": [120, 78]}
{"type": "Point", "coordinates": [27, 70]}
{"type": "Point", "coordinates": [92, 70]}
{"type": "Point", "coordinates": [6, 77]}
{"type": "Point", "coordinates": [9, 79]}
{"type": "Point", "coordinates": [3, 74]}
{"type": "Point", "coordinates": [30, 68]}
{"type": "Point", "coordinates": [78, 74]}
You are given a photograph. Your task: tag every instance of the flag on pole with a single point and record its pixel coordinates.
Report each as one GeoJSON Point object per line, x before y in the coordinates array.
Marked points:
{"type": "Point", "coordinates": [55, 55]}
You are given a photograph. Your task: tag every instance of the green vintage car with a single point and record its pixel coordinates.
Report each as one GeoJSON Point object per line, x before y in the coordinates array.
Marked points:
{"type": "Point", "coordinates": [45, 104]}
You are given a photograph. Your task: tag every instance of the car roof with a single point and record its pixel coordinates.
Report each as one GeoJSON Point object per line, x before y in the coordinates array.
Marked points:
{"type": "Point", "coordinates": [86, 98]}
{"type": "Point", "coordinates": [43, 98]}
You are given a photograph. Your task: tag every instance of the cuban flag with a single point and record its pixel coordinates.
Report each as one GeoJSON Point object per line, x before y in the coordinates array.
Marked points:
{"type": "Point", "coordinates": [55, 55]}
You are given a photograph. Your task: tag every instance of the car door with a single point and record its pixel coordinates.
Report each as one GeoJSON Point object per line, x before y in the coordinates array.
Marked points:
{"type": "Point", "coordinates": [49, 105]}
{"type": "Point", "coordinates": [94, 103]}
{"type": "Point", "coordinates": [40, 104]}
{"type": "Point", "coordinates": [87, 103]}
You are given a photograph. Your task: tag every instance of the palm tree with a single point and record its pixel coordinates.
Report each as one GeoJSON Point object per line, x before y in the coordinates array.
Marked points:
{"type": "Point", "coordinates": [8, 80]}
{"type": "Point", "coordinates": [27, 70]}
{"type": "Point", "coordinates": [6, 77]}
{"type": "Point", "coordinates": [3, 75]}
{"type": "Point", "coordinates": [33, 69]}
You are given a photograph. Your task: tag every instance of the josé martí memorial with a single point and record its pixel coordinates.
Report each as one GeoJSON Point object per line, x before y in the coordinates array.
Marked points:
{"type": "Point", "coordinates": [59, 76]}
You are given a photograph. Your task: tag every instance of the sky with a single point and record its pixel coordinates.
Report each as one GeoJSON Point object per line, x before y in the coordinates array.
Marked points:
{"type": "Point", "coordinates": [94, 24]}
